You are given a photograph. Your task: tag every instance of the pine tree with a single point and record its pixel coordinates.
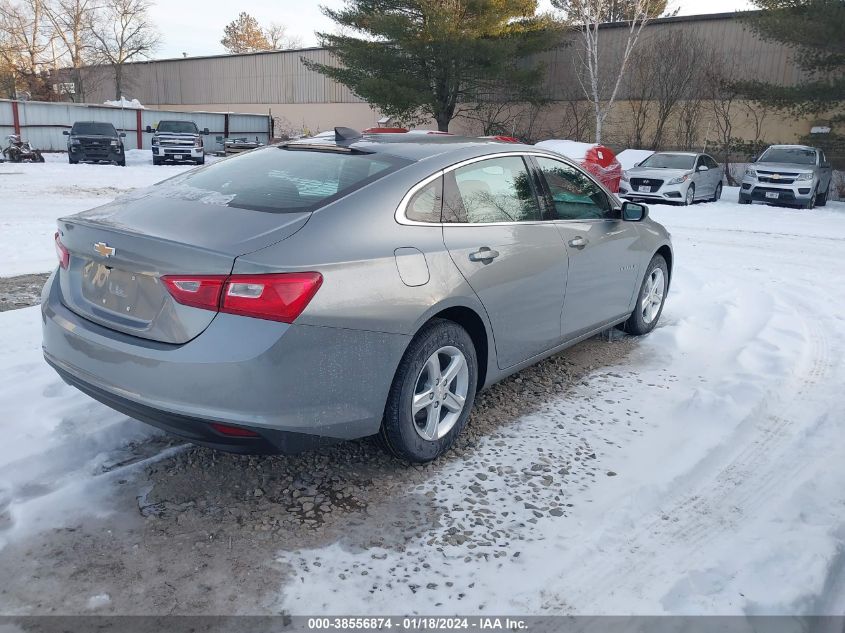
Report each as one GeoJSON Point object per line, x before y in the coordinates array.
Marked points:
{"type": "Point", "coordinates": [814, 30]}
{"type": "Point", "coordinates": [419, 59]}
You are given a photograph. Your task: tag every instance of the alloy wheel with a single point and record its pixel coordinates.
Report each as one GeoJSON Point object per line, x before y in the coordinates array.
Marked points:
{"type": "Point", "coordinates": [655, 289]}
{"type": "Point", "coordinates": [440, 393]}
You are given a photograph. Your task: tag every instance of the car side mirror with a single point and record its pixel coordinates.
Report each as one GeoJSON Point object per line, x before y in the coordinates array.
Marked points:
{"type": "Point", "coordinates": [754, 158]}
{"type": "Point", "coordinates": [149, 130]}
{"type": "Point", "coordinates": [634, 212]}
{"type": "Point", "coordinates": [703, 168]}
{"type": "Point", "coordinates": [66, 132]}
{"type": "Point", "coordinates": [205, 131]}
{"type": "Point", "coordinates": [123, 135]}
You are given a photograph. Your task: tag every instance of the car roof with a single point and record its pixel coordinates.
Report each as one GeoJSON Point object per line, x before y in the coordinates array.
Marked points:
{"type": "Point", "coordinates": [676, 154]}
{"type": "Point", "coordinates": [792, 147]}
{"type": "Point", "coordinates": [415, 147]}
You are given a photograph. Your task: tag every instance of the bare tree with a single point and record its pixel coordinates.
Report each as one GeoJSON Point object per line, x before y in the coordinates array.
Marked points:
{"type": "Point", "coordinates": [601, 91]}
{"type": "Point", "coordinates": [722, 95]}
{"type": "Point", "coordinates": [276, 35]}
{"type": "Point", "coordinates": [70, 21]}
{"type": "Point", "coordinates": [245, 35]}
{"type": "Point", "coordinates": [122, 31]}
{"type": "Point", "coordinates": [25, 43]}
{"type": "Point", "coordinates": [690, 114]}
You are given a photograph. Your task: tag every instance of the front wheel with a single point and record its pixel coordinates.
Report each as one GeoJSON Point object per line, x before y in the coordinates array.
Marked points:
{"type": "Point", "coordinates": [690, 198]}
{"type": "Point", "coordinates": [650, 299]}
{"type": "Point", "coordinates": [811, 203]}
{"type": "Point", "coordinates": [821, 199]}
{"type": "Point", "coordinates": [432, 393]}
{"type": "Point", "coordinates": [718, 193]}
{"type": "Point", "coordinates": [200, 161]}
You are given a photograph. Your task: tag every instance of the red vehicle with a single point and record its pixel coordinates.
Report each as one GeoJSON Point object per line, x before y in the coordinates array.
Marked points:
{"type": "Point", "coordinates": [599, 160]}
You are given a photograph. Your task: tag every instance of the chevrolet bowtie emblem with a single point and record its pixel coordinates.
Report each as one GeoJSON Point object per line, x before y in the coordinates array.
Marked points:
{"type": "Point", "coordinates": [103, 249]}
{"type": "Point", "coordinates": [776, 176]}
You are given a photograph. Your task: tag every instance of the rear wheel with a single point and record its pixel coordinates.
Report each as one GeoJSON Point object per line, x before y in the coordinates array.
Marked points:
{"type": "Point", "coordinates": [690, 197]}
{"type": "Point", "coordinates": [650, 299]}
{"type": "Point", "coordinates": [432, 393]}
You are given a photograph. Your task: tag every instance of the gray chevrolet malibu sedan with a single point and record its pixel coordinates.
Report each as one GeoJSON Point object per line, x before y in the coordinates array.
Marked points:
{"type": "Point", "coordinates": [336, 288]}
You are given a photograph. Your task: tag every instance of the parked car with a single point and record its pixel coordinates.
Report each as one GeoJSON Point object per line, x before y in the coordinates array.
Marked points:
{"type": "Point", "coordinates": [177, 141]}
{"type": "Point", "coordinates": [788, 174]}
{"type": "Point", "coordinates": [328, 289]}
{"type": "Point", "coordinates": [599, 160]}
{"type": "Point", "coordinates": [679, 177]}
{"type": "Point", "coordinates": [95, 142]}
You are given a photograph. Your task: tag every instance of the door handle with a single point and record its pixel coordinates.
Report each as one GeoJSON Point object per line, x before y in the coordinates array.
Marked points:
{"type": "Point", "coordinates": [484, 254]}
{"type": "Point", "coordinates": [578, 242]}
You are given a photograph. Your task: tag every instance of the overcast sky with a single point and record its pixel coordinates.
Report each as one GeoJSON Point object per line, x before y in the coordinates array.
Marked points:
{"type": "Point", "coordinates": [196, 26]}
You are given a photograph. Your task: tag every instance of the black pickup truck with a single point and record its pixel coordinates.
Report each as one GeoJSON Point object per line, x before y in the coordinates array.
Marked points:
{"type": "Point", "coordinates": [94, 142]}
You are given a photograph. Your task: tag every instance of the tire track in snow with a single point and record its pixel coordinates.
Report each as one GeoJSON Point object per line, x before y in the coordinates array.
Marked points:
{"type": "Point", "coordinates": [742, 478]}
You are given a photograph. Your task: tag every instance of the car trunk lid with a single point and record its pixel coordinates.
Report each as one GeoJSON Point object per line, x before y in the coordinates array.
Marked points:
{"type": "Point", "coordinates": [119, 252]}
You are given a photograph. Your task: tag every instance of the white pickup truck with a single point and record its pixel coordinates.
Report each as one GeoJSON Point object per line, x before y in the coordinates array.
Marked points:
{"type": "Point", "coordinates": [177, 141]}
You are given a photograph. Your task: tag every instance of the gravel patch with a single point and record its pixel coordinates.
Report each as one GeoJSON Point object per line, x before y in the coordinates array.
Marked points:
{"type": "Point", "coordinates": [201, 531]}
{"type": "Point", "coordinates": [21, 291]}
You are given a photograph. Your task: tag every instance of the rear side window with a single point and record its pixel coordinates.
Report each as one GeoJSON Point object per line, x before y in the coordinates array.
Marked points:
{"type": "Point", "coordinates": [490, 191]}
{"type": "Point", "coordinates": [425, 204]}
{"type": "Point", "coordinates": [280, 180]}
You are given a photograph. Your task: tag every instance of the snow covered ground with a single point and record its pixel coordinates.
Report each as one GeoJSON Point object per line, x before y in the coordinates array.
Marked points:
{"type": "Point", "coordinates": [716, 448]}
{"type": "Point", "coordinates": [33, 196]}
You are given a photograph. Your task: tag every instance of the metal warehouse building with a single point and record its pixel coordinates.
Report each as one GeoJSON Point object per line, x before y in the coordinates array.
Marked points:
{"type": "Point", "coordinates": [279, 82]}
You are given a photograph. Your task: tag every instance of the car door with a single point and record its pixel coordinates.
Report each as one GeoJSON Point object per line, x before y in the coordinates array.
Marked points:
{"type": "Point", "coordinates": [514, 260]}
{"type": "Point", "coordinates": [702, 179]}
{"type": "Point", "coordinates": [604, 262]}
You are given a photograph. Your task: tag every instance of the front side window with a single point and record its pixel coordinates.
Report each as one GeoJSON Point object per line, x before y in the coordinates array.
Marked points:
{"type": "Point", "coordinates": [574, 195]}
{"type": "Point", "coordinates": [280, 180]}
{"type": "Point", "coordinates": [712, 164]}
{"type": "Point", "coordinates": [490, 191]}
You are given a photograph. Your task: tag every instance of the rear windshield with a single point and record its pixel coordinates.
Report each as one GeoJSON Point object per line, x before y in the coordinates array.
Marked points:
{"type": "Point", "coordinates": [179, 127]}
{"type": "Point", "coordinates": [98, 129]}
{"type": "Point", "coordinates": [795, 155]}
{"type": "Point", "coordinates": [280, 180]}
{"type": "Point", "coordinates": [669, 161]}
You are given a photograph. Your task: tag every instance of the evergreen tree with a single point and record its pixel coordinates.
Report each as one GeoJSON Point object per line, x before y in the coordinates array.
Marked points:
{"type": "Point", "coordinates": [415, 59]}
{"type": "Point", "coordinates": [815, 32]}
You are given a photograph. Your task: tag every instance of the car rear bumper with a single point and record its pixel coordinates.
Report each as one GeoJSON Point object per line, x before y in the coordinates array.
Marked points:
{"type": "Point", "coordinates": [285, 382]}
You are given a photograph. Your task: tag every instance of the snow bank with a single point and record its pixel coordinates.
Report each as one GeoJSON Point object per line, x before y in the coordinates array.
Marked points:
{"type": "Point", "coordinates": [123, 102]}
{"type": "Point", "coordinates": [35, 195]}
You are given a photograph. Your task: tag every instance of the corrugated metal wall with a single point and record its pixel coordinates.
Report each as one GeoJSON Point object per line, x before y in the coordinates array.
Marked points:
{"type": "Point", "coordinates": [43, 123]}
{"type": "Point", "coordinates": [279, 77]}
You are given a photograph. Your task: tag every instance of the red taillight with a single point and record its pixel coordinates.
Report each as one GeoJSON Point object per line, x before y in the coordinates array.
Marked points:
{"type": "Point", "coordinates": [232, 431]}
{"type": "Point", "coordinates": [199, 291]}
{"type": "Point", "coordinates": [61, 252]}
{"type": "Point", "coordinates": [277, 297]}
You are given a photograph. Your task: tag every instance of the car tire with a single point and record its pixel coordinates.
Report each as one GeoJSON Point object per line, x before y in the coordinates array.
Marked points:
{"type": "Point", "coordinates": [201, 161]}
{"type": "Point", "coordinates": [690, 195]}
{"type": "Point", "coordinates": [821, 199]}
{"type": "Point", "coordinates": [645, 316]}
{"type": "Point", "coordinates": [122, 162]}
{"type": "Point", "coordinates": [423, 435]}
{"type": "Point", "coordinates": [717, 194]}
{"type": "Point", "coordinates": [72, 162]}
{"type": "Point", "coordinates": [811, 203]}
{"type": "Point", "coordinates": [156, 161]}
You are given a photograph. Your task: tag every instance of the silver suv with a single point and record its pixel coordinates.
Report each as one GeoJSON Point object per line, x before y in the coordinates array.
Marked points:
{"type": "Point", "coordinates": [788, 174]}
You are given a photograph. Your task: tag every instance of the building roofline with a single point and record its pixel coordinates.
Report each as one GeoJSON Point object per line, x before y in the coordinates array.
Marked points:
{"type": "Point", "coordinates": [704, 17]}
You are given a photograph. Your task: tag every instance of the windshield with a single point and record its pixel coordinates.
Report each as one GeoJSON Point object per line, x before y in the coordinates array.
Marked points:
{"type": "Point", "coordinates": [179, 127]}
{"type": "Point", "coordinates": [281, 180]}
{"type": "Point", "coordinates": [795, 155]}
{"type": "Point", "coordinates": [98, 129]}
{"type": "Point", "coordinates": [669, 161]}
